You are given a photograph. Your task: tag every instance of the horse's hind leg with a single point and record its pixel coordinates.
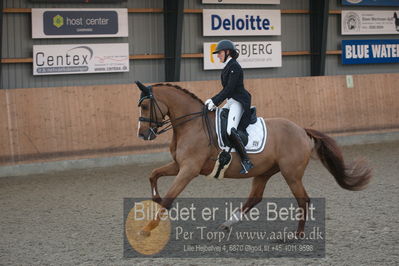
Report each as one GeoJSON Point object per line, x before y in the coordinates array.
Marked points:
{"type": "Point", "coordinates": [255, 196]}
{"type": "Point", "coordinates": [293, 177]}
{"type": "Point", "coordinates": [170, 169]}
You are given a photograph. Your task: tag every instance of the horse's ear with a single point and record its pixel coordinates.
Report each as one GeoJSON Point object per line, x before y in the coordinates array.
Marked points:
{"type": "Point", "coordinates": [143, 88]}
{"type": "Point", "coordinates": [395, 15]}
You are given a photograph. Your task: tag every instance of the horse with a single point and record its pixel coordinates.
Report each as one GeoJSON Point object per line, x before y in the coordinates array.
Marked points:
{"type": "Point", "coordinates": [288, 150]}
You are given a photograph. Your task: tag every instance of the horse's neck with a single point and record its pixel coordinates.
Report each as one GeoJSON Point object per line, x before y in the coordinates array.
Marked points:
{"type": "Point", "coordinates": [180, 104]}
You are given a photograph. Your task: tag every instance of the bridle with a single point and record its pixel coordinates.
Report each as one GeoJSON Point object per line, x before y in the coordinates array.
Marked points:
{"type": "Point", "coordinates": [153, 119]}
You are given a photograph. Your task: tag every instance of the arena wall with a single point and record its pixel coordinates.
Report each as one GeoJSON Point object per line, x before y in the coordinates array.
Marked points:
{"type": "Point", "coordinates": [47, 124]}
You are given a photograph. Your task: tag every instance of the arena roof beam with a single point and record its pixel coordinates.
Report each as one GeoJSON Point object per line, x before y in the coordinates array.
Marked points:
{"type": "Point", "coordinates": [173, 20]}
{"type": "Point", "coordinates": [318, 35]}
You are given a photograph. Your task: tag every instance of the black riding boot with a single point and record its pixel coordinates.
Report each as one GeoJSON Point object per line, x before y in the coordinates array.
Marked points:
{"type": "Point", "coordinates": [240, 148]}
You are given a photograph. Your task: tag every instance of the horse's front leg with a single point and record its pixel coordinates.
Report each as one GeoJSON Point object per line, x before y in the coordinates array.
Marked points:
{"type": "Point", "coordinates": [170, 169]}
{"type": "Point", "coordinates": [185, 175]}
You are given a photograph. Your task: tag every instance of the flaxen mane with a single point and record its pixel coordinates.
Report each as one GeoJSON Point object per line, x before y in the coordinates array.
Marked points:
{"type": "Point", "coordinates": [181, 89]}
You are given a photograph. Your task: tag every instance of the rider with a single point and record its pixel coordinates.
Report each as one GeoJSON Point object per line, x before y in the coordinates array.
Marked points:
{"type": "Point", "coordinates": [238, 99]}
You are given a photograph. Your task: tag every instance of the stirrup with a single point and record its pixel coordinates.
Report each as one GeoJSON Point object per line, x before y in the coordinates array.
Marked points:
{"type": "Point", "coordinates": [246, 166]}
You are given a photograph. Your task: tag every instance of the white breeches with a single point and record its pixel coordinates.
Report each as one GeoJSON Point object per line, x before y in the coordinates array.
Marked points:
{"type": "Point", "coordinates": [235, 114]}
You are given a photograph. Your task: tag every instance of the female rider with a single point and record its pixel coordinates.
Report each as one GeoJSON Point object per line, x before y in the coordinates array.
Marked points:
{"type": "Point", "coordinates": [238, 99]}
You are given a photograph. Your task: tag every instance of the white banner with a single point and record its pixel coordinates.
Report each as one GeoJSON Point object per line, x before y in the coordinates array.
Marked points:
{"type": "Point", "coordinates": [362, 22]}
{"type": "Point", "coordinates": [78, 23]}
{"type": "Point", "coordinates": [260, 2]}
{"type": "Point", "coordinates": [80, 58]}
{"type": "Point", "coordinates": [239, 22]}
{"type": "Point", "coordinates": [252, 55]}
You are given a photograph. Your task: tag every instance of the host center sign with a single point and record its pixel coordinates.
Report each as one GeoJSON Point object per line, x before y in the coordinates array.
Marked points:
{"type": "Point", "coordinates": [71, 23]}
{"type": "Point", "coordinates": [88, 21]}
{"type": "Point", "coordinates": [234, 22]}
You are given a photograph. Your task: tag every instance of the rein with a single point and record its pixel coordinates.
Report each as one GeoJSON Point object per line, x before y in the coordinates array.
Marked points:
{"type": "Point", "coordinates": [169, 123]}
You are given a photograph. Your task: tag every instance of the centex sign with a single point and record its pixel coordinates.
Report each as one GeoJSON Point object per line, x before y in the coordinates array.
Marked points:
{"type": "Point", "coordinates": [233, 22]}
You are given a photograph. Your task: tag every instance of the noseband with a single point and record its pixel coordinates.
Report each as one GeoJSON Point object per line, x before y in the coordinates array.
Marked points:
{"type": "Point", "coordinates": [153, 120]}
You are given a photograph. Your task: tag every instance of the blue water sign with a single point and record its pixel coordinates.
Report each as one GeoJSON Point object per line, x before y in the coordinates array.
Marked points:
{"type": "Point", "coordinates": [370, 51]}
{"type": "Point", "coordinates": [370, 2]}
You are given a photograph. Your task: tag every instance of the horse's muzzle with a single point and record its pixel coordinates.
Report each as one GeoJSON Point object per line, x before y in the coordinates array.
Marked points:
{"type": "Point", "coordinates": [150, 134]}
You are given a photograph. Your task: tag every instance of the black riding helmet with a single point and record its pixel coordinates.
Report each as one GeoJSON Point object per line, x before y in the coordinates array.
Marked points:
{"type": "Point", "coordinates": [226, 45]}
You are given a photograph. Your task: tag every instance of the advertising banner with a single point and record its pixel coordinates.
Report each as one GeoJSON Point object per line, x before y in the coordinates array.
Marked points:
{"type": "Point", "coordinates": [259, 2]}
{"type": "Point", "coordinates": [80, 58]}
{"type": "Point", "coordinates": [78, 1]}
{"type": "Point", "coordinates": [78, 23]}
{"type": "Point", "coordinates": [363, 22]}
{"type": "Point", "coordinates": [370, 2]}
{"type": "Point", "coordinates": [370, 51]}
{"type": "Point", "coordinates": [241, 22]}
{"type": "Point", "coordinates": [252, 55]}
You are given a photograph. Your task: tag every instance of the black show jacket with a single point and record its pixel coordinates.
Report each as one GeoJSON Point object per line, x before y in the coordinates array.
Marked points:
{"type": "Point", "coordinates": [233, 87]}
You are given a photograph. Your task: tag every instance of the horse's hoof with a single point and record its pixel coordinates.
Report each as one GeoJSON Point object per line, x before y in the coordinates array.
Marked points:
{"type": "Point", "coordinates": [300, 234]}
{"type": "Point", "coordinates": [144, 233]}
{"type": "Point", "coordinates": [224, 227]}
{"type": "Point", "coordinates": [157, 200]}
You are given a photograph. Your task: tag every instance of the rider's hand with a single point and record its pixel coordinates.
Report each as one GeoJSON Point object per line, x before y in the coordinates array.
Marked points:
{"type": "Point", "coordinates": [211, 106]}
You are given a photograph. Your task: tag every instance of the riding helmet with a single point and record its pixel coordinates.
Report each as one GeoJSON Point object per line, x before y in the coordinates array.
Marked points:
{"type": "Point", "coordinates": [224, 45]}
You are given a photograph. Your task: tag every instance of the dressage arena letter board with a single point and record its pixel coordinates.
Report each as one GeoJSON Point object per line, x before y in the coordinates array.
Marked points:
{"type": "Point", "coordinates": [79, 23]}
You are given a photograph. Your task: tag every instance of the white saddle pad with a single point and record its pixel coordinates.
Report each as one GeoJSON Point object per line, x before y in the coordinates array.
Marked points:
{"type": "Point", "coordinates": [257, 135]}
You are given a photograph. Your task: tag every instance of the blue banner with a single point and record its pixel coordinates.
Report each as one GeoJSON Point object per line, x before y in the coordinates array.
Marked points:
{"type": "Point", "coordinates": [370, 2]}
{"type": "Point", "coordinates": [370, 51]}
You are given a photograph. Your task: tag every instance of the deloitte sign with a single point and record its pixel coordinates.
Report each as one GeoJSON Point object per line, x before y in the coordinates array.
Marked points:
{"type": "Point", "coordinates": [233, 22]}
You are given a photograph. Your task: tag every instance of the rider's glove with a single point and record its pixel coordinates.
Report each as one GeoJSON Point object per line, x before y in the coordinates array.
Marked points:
{"type": "Point", "coordinates": [210, 104]}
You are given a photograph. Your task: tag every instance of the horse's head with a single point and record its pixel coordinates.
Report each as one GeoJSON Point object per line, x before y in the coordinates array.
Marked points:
{"type": "Point", "coordinates": [395, 16]}
{"type": "Point", "coordinates": [152, 113]}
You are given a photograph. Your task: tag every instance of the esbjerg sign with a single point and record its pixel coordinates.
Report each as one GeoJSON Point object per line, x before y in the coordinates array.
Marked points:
{"type": "Point", "coordinates": [241, 22]}
{"type": "Point", "coordinates": [80, 58]}
{"type": "Point", "coordinates": [261, 54]}
{"type": "Point", "coordinates": [76, 23]}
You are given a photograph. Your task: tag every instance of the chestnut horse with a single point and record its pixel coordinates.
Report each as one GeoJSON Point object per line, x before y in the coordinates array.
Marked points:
{"type": "Point", "coordinates": [288, 150]}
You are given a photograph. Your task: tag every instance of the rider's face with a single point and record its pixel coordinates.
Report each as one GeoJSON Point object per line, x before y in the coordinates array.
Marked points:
{"type": "Point", "coordinates": [221, 55]}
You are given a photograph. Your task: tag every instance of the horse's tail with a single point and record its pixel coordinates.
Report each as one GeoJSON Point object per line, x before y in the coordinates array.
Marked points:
{"type": "Point", "coordinates": [354, 176]}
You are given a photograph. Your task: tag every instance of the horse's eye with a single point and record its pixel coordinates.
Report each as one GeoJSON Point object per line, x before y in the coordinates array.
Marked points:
{"type": "Point", "coordinates": [144, 107]}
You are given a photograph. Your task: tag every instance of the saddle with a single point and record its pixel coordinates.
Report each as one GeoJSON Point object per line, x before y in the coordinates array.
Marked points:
{"type": "Point", "coordinates": [224, 114]}
{"type": "Point", "coordinates": [254, 139]}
